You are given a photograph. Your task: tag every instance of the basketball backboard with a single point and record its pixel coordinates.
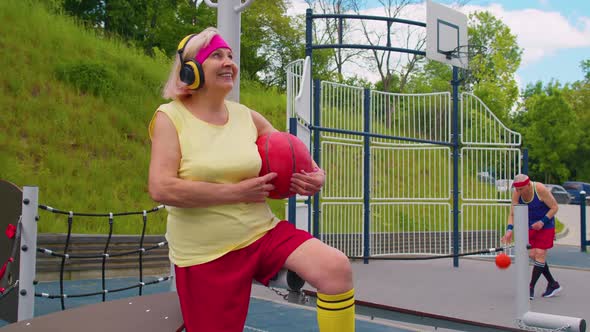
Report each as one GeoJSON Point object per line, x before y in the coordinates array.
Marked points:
{"type": "Point", "coordinates": [446, 35]}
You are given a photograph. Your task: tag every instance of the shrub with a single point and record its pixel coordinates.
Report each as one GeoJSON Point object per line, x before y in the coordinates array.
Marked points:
{"type": "Point", "coordinates": [89, 77]}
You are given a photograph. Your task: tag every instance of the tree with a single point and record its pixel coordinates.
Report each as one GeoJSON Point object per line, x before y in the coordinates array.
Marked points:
{"type": "Point", "coordinates": [270, 40]}
{"type": "Point", "coordinates": [145, 23]}
{"type": "Point", "coordinates": [432, 76]}
{"type": "Point", "coordinates": [495, 60]}
{"type": "Point", "coordinates": [334, 31]}
{"type": "Point", "coordinates": [89, 11]}
{"type": "Point", "coordinates": [578, 96]}
{"type": "Point", "coordinates": [550, 131]}
{"type": "Point", "coordinates": [394, 69]}
{"type": "Point", "coordinates": [586, 69]}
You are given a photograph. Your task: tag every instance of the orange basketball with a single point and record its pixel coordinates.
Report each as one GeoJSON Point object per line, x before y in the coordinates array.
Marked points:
{"type": "Point", "coordinates": [283, 154]}
{"type": "Point", "coordinates": [502, 261]}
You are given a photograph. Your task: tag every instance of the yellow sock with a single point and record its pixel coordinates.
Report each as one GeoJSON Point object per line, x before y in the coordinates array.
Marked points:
{"type": "Point", "coordinates": [336, 312]}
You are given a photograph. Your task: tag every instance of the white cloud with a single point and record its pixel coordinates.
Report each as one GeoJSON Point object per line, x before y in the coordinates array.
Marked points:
{"type": "Point", "coordinates": [540, 33]}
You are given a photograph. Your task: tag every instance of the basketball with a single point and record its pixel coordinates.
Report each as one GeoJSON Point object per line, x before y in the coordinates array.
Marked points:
{"type": "Point", "coordinates": [283, 154]}
{"type": "Point", "coordinates": [502, 261]}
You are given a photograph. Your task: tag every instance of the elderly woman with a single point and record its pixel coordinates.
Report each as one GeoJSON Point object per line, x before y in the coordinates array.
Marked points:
{"type": "Point", "coordinates": [542, 211]}
{"type": "Point", "coordinates": [221, 232]}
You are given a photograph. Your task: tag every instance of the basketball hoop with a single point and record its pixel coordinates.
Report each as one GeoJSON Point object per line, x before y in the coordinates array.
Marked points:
{"type": "Point", "coordinates": [465, 51]}
{"type": "Point", "coordinates": [463, 54]}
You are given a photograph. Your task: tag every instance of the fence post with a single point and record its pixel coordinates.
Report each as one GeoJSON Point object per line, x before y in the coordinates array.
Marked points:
{"type": "Point", "coordinates": [367, 175]}
{"type": "Point", "coordinates": [455, 139]}
{"type": "Point", "coordinates": [292, 201]}
{"type": "Point", "coordinates": [28, 252]}
{"type": "Point", "coordinates": [316, 151]}
{"type": "Point", "coordinates": [583, 242]}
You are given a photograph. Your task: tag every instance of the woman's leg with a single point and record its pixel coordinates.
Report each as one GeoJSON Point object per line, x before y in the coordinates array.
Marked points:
{"type": "Point", "coordinates": [538, 256]}
{"type": "Point", "coordinates": [214, 296]}
{"type": "Point", "coordinates": [322, 266]}
{"type": "Point", "coordinates": [328, 270]}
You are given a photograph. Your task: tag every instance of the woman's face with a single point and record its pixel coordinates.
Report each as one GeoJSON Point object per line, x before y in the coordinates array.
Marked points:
{"type": "Point", "coordinates": [220, 70]}
{"type": "Point", "coordinates": [526, 190]}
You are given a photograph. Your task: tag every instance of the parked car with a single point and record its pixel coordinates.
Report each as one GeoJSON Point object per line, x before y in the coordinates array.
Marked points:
{"type": "Point", "coordinates": [561, 195]}
{"type": "Point", "coordinates": [574, 188]}
{"type": "Point", "coordinates": [503, 185]}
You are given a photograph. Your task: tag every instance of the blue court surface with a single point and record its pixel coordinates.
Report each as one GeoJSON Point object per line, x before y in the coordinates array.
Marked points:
{"type": "Point", "coordinates": [263, 315]}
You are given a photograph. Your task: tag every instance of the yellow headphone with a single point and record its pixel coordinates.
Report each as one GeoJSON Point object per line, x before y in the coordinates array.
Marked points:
{"type": "Point", "coordinates": [191, 71]}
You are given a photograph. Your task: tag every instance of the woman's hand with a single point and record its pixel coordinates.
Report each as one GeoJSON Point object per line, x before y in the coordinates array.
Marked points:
{"type": "Point", "coordinates": [507, 238]}
{"type": "Point", "coordinates": [256, 190]}
{"type": "Point", "coordinates": [308, 184]}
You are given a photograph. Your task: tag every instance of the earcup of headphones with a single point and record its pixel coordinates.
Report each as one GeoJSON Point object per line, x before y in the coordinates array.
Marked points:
{"type": "Point", "coordinates": [191, 73]}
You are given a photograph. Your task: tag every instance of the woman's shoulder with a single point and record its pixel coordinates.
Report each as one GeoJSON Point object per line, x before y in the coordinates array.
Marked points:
{"type": "Point", "coordinates": [239, 110]}
{"type": "Point", "coordinates": [540, 186]}
{"type": "Point", "coordinates": [232, 106]}
{"type": "Point", "coordinates": [171, 106]}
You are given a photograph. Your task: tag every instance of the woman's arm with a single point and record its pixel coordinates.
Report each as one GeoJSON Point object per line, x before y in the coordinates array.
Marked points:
{"type": "Point", "coordinates": [167, 188]}
{"type": "Point", "coordinates": [547, 197]}
{"type": "Point", "coordinates": [307, 184]}
{"type": "Point", "coordinates": [263, 126]}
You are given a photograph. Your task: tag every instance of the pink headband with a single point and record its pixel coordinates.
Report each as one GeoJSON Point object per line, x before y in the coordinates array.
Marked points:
{"type": "Point", "coordinates": [216, 42]}
{"type": "Point", "coordinates": [521, 183]}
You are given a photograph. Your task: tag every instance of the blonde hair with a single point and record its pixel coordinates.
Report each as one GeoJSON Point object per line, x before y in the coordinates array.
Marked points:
{"type": "Point", "coordinates": [520, 177]}
{"type": "Point", "coordinates": [174, 87]}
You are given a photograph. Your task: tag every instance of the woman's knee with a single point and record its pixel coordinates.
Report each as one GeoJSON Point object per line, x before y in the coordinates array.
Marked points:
{"type": "Point", "coordinates": [324, 267]}
{"type": "Point", "coordinates": [342, 266]}
{"type": "Point", "coordinates": [540, 255]}
{"type": "Point", "coordinates": [337, 274]}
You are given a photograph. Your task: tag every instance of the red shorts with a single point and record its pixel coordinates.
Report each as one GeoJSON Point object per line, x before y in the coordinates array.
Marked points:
{"type": "Point", "coordinates": [214, 296]}
{"type": "Point", "coordinates": [541, 239]}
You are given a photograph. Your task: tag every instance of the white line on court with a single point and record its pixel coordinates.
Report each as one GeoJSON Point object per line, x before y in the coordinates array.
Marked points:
{"type": "Point", "coordinates": [253, 329]}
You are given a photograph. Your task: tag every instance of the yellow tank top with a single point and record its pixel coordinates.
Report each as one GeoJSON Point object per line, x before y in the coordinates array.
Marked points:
{"type": "Point", "coordinates": [218, 154]}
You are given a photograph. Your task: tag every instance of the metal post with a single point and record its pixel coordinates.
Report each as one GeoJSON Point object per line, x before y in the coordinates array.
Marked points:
{"type": "Point", "coordinates": [28, 247]}
{"type": "Point", "coordinates": [292, 203]}
{"type": "Point", "coordinates": [521, 261]}
{"type": "Point", "coordinates": [316, 153]}
{"type": "Point", "coordinates": [583, 242]}
{"type": "Point", "coordinates": [229, 26]}
{"type": "Point", "coordinates": [367, 176]}
{"type": "Point", "coordinates": [455, 138]}
{"type": "Point", "coordinates": [308, 32]}
{"type": "Point", "coordinates": [315, 118]}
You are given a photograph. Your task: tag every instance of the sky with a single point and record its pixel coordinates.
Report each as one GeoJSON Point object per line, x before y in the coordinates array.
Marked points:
{"type": "Point", "coordinates": [554, 34]}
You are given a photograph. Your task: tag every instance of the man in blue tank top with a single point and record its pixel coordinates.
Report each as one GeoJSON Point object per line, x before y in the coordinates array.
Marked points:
{"type": "Point", "coordinates": [542, 209]}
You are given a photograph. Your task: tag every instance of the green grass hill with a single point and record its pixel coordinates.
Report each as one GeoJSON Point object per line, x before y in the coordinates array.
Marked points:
{"type": "Point", "coordinates": [75, 106]}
